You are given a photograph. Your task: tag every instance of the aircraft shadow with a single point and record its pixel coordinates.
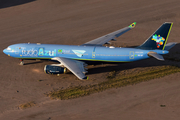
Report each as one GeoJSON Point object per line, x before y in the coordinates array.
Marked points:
{"type": "Point", "coordinates": [10, 3]}
{"type": "Point", "coordinates": [33, 62]}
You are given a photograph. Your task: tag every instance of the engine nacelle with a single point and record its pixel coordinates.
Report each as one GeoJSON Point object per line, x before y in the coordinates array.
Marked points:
{"type": "Point", "coordinates": [50, 69]}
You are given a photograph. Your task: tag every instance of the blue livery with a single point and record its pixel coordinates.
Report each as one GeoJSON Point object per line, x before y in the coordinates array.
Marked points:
{"type": "Point", "coordinates": [75, 58]}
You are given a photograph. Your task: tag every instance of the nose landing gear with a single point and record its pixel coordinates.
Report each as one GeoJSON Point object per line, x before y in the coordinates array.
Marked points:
{"type": "Point", "coordinates": [21, 62]}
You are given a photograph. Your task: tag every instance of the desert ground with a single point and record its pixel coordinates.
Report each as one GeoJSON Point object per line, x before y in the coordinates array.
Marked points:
{"type": "Point", "coordinates": [74, 22]}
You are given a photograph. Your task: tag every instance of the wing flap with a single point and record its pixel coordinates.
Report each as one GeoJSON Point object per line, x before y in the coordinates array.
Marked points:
{"type": "Point", "coordinates": [99, 42]}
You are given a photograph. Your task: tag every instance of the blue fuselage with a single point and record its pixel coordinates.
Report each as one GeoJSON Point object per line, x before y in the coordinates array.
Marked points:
{"type": "Point", "coordinates": [84, 53]}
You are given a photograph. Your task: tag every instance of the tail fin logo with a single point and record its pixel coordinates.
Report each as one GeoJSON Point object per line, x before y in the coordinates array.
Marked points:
{"type": "Point", "coordinates": [159, 40]}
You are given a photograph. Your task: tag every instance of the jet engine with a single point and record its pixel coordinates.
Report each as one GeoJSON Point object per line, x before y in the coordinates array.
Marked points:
{"type": "Point", "coordinates": [51, 69]}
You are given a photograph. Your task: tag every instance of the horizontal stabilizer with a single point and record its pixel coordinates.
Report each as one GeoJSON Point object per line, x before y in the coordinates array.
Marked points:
{"type": "Point", "coordinates": [155, 55]}
{"type": "Point", "coordinates": [170, 45]}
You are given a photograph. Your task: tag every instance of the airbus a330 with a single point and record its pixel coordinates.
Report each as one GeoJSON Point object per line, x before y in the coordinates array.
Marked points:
{"type": "Point", "coordinates": [75, 58]}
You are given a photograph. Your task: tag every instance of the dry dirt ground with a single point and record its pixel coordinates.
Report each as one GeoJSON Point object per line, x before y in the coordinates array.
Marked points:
{"type": "Point", "coordinates": [76, 22]}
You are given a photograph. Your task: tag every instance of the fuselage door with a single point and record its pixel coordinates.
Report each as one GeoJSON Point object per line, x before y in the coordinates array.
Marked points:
{"type": "Point", "coordinates": [94, 53]}
{"type": "Point", "coordinates": [131, 55]}
{"type": "Point", "coordinates": [17, 49]}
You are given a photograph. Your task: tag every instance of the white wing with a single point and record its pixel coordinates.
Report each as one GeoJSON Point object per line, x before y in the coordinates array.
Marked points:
{"type": "Point", "coordinates": [76, 67]}
{"type": "Point", "coordinates": [111, 36]}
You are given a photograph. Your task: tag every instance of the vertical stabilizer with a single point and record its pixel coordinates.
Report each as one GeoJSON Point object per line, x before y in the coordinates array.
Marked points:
{"type": "Point", "coordinates": [158, 39]}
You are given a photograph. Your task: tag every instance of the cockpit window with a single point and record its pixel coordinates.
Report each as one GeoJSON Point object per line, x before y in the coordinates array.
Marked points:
{"type": "Point", "coordinates": [8, 48]}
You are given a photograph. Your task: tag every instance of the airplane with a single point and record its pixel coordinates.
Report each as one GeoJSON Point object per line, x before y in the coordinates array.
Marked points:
{"type": "Point", "coordinates": [75, 58]}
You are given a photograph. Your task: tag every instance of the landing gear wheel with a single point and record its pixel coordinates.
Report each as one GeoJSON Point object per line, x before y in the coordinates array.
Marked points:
{"type": "Point", "coordinates": [21, 62]}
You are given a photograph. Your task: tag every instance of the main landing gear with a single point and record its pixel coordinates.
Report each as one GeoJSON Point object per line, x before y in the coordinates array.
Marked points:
{"type": "Point", "coordinates": [21, 62]}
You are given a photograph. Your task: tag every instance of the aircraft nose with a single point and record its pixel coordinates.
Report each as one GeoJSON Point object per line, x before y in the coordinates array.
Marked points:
{"type": "Point", "coordinates": [5, 51]}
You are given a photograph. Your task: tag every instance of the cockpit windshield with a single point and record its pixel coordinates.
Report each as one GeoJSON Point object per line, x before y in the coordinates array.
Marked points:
{"type": "Point", "coordinates": [8, 48]}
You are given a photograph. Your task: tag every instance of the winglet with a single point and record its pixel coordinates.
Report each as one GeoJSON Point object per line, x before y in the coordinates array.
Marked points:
{"type": "Point", "coordinates": [132, 25]}
{"type": "Point", "coordinates": [85, 78]}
